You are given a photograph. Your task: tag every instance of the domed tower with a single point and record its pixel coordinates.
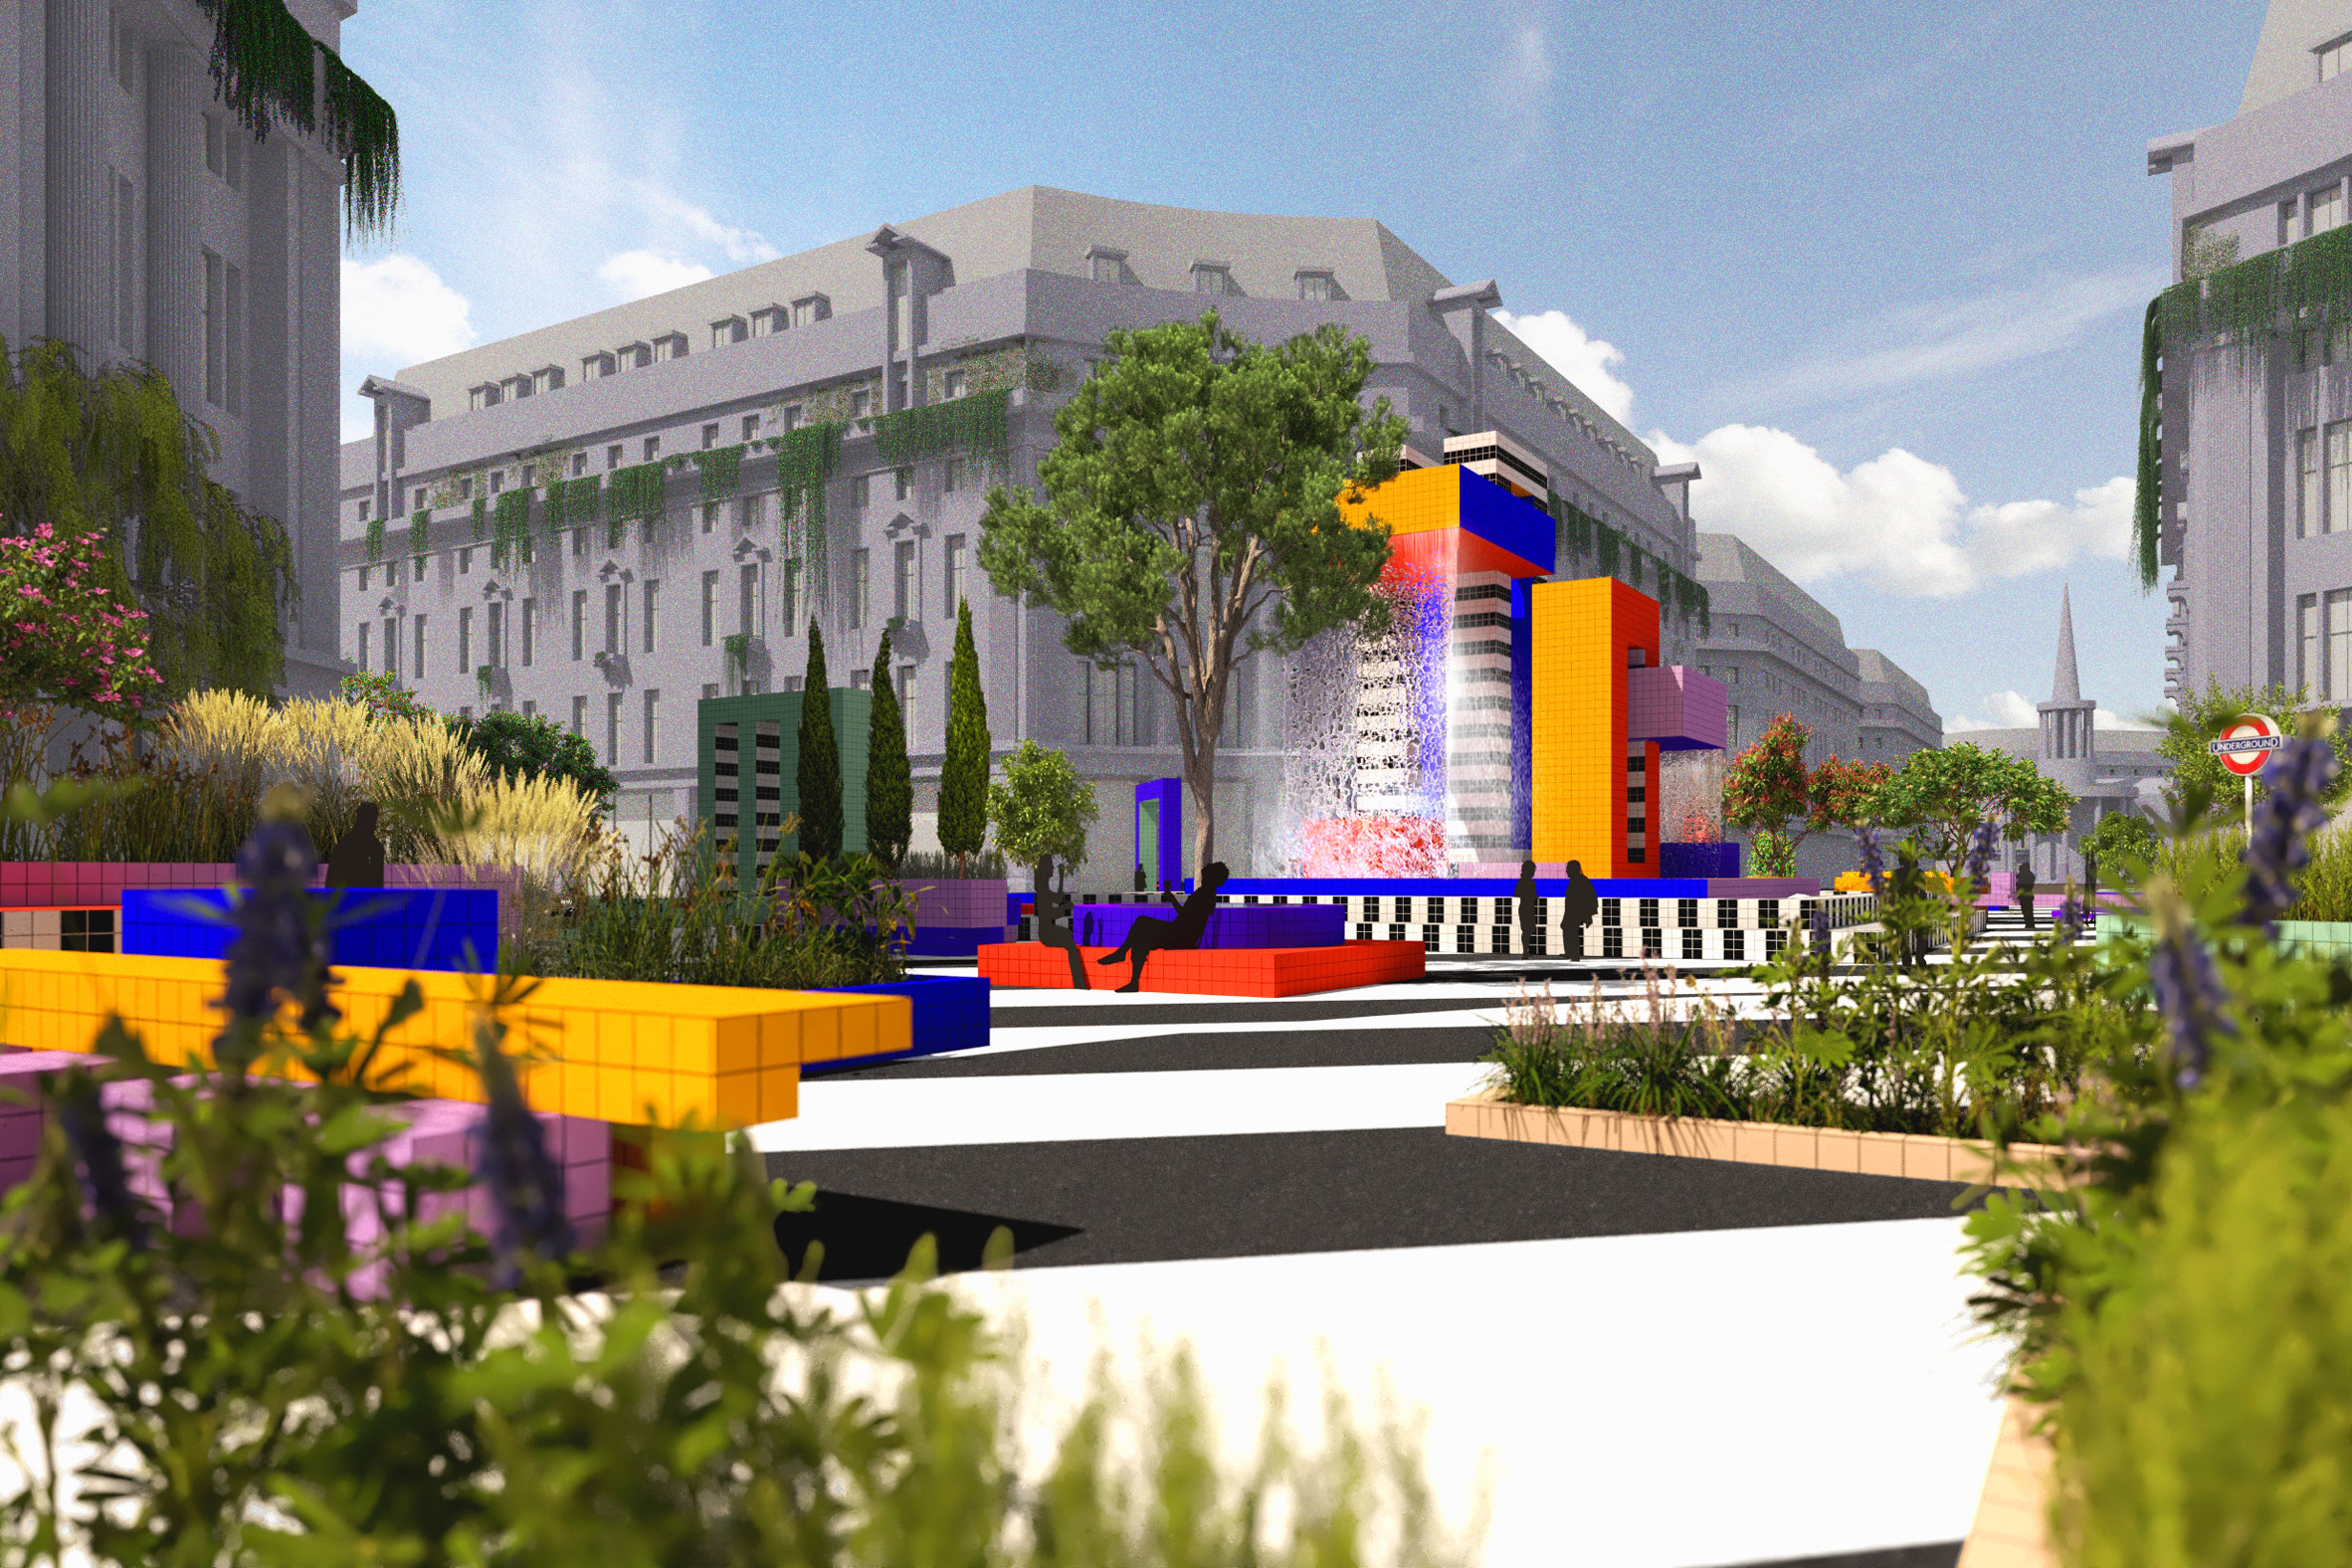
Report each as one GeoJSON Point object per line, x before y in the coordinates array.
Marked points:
{"type": "Point", "coordinates": [2068, 749]}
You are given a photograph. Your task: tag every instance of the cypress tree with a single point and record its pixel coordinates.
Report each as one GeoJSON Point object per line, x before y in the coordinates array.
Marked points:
{"type": "Point", "coordinates": [963, 777]}
{"type": "Point", "coordinates": [889, 787]}
{"type": "Point", "coordinates": [818, 773]}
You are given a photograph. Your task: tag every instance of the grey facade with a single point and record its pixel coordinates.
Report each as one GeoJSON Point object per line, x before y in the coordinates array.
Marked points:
{"type": "Point", "coordinates": [2258, 435]}
{"type": "Point", "coordinates": [1013, 292]}
{"type": "Point", "coordinates": [2105, 770]}
{"type": "Point", "coordinates": [140, 222]}
{"type": "Point", "coordinates": [1897, 715]}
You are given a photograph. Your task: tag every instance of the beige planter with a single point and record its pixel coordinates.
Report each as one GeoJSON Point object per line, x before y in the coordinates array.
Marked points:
{"type": "Point", "coordinates": [2012, 1514]}
{"type": "Point", "coordinates": [1920, 1158]}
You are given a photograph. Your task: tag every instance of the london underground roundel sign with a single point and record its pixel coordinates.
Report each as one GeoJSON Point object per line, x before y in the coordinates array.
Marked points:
{"type": "Point", "coordinates": [2246, 745]}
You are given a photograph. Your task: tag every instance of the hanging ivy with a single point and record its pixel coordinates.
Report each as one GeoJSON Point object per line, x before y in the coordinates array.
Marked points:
{"type": "Point", "coordinates": [2147, 506]}
{"type": "Point", "coordinates": [1607, 541]}
{"type": "Point", "coordinates": [722, 469]}
{"type": "Point", "coordinates": [975, 426]}
{"type": "Point", "coordinates": [480, 517]}
{"type": "Point", "coordinates": [638, 496]}
{"type": "Point", "coordinates": [268, 71]}
{"type": "Point", "coordinates": [375, 540]}
{"type": "Point", "coordinates": [553, 510]}
{"type": "Point", "coordinates": [420, 524]}
{"type": "Point", "coordinates": [806, 460]}
{"type": "Point", "coordinates": [513, 519]}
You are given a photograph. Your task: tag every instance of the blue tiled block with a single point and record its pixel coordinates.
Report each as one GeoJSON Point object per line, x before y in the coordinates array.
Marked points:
{"type": "Point", "coordinates": [950, 1014]}
{"type": "Point", "coordinates": [400, 927]}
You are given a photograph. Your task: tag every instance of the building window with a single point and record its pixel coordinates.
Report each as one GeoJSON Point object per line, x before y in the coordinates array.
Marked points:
{"type": "Point", "coordinates": [419, 666]}
{"type": "Point", "coordinates": [498, 634]}
{"type": "Point", "coordinates": [794, 416]}
{"type": "Point", "coordinates": [580, 717]}
{"type": "Point", "coordinates": [956, 590]}
{"type": "Point", "coordinates": [788, 597]}
{"type": "Point", "coordinates": [652, 448]}
{"type": "Point", "coordinates": [531, 709]}
{"type": "Point", "coordinates": [901, 484]}
{"type": "Point", "coordinates": [951, 475]}
{"type": "Point", "coordinates": [362, 658]}
{"type": "Point", "coordinates": [2340, 477]}
{"type": "Point", "coordinates": [953, 384]}
{"type": "Point", "coordinates": [860, 560]}
{"type": "Point", "coordinates": [232, 348]}
{"type": "Point", "coordinates": [710, 516]}
{"type": "Point", "coordinates": [653, 704]}
{"type": "Point", "coordinates": [213, 141]}
{"type": "Point", "coordinates": [709, 608]}
{"type": "Point", "coordinates": [1210, 278]}
{"type": "Point", "coordinates": [2333, 58]}
{"type": "Point", "coordinates": [750, 427]}
{"type": "Point", "coordinates": [860, 680]}
{"type": "Point", "coordinates": [747, 598]}
{"type": "Point", "coordinates": [730, 331]}
{"type": "Point", "coordinates": [1317, 287]}
{"type": "Point", "coordinates": [466, 640]}
{"type": "Point", "coordinates": [612, 456]}
{"type": "Point", "coordinates": [2327, 208]}
{"type": "Point", "coordinates": [612, 729]}
{"type": "Point", "coordinates": [498, 481]}
{"type": "Point", "coordinates": [861, 490]}
{"type": "Point", "coordinates": [861, 404]}
{"type": "Point", "coordinates": [363, 575]}
{"type": "Point", "coordinates": [530, 615]}
{"type": "Point", "coordinates": [904, 597]}
{"type": "Point", "coordinates": [392, 647]}
{"type": "Point", "coordinates": [579, 624]}
{"type": "Point", "coordinates": [907, 711]}
{"type": "Point", "coordinates": [126, 53]}
{"type": "Point", "coordinates": [1111, 705]}
{"type": "Point", "coordinates": [612, 619]}
{"type": "Point", "coordinates": [216, 323]}
{"type": "Point", "coordinates": [2339, 644]}
{"type": "Point", "coordinates": [2307, 667]}
{"type": "Point", "coordinates": [2310, 518]}
{"type": "Point", "coordinates": [2288, 211]}
{"type": "Point", "coordinates": [652, 589]}
{"type": "Point", "coordinates": [465, 560]}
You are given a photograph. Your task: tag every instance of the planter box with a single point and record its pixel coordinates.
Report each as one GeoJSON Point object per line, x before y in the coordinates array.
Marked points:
{"type": "Point", "coordinates": [2011, 1529]}
{"type": "Point", "coordinates": [404, 927]}
{"type": "Point", "coordinates": [1229, 925]}
{"type": "Point", "coordinates": [953, 918]}
{"type": "Point", "coordinates": [1231, 971]}
{"type": "Point", "coordinates": [1917, 1156]}
{"type": "Point", "coordinates": [950, 1014]}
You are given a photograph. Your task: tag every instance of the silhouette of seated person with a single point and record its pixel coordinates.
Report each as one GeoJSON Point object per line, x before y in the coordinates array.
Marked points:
{"type": "Point", "coordinates": [1053, 908]}
{"type": "Point", "coordinates": [1531, 909]}
{"type": "Point", "coordinates": [1584, 901]}
{"type": "Point", "coordinates": [359, 858]}
{"type": "Point", "coordinates": [1150, 935]}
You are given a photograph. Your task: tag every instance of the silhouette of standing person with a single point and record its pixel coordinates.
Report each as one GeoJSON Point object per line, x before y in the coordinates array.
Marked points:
{"type": "Point", "coordinates": [359, 858]}
{"type": "Point", "coordinates": [1053, 910]}
{"type": "Point", "coordinates": [1906, 886]}
{"type": "Point", "coordinates": [1531, 909]}
{"type": "Point", "coordinates": [1139, 877]}
{"type": "Point", "coordinates": [1584, 901]}
{"type": "Point", "coordinates": [1150, 935]}
{"type": "Point", "coordinates": [2025, 890]}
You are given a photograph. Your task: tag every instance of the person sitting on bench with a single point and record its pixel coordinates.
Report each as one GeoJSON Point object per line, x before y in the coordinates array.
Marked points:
{"type": "Point", "coordinates": [1053, 911]}
{"type": "Point", "coordinates": [1150, 935]}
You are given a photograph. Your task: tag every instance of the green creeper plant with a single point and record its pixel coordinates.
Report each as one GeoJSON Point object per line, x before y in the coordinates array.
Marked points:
{"type": "Point", "coordinates": [1941, 796]}
{"type": "Point", "coordinates": [383, 696]}
{"type": "Point", "coordinates": [89, 451]}
{"type": "Point", "coordinates": [1042, 808]}
{"type": "Point", "coordinates": [1191, 514]}
{"type": "Point", "coordinates": [817, 773]}
{"type": "Point", "coordinates": [267, 69]}
{"type": "Point", "coordinates": [963, 773]}
{"type": "Point", "coordinates": [889, 782]}
{"type": "Point", "coordinates": [530, 745]}
{"type": "Point", "coordinates": [2202, 717]}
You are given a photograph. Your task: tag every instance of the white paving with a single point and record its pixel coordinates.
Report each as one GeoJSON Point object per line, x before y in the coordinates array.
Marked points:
{"type": "Point", "coordinates": [920, 1112]}
{"type": "Point", "coordinates": [1037, 1037]}
{"type": "Point", "coordinates": [1650, 1401]}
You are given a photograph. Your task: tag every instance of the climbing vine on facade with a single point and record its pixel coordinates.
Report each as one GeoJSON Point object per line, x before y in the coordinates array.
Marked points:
{"type": "Point", "coordinates": [513, 526]}
{"type": "Point", "coordinates": [269, 72]}
{"type": "Point", "coordinates": [974, 426]}
{"type": "Point", "coordinates": [638, 495]}
{"type": "Point", "coordinates": [722, 473]}
{"type": "Point", "coordinates": [805, 459]}
{"type": "Point", "coordinates": [375, 540]}
{"type": "Point", "coordinates": [420, 530]}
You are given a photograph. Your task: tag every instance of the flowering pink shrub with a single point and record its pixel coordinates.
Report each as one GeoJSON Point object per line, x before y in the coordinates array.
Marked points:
{"type": "Point", "coordinates": [1373, 846]}
{"type": "Point", "coordinates": [67, 640]}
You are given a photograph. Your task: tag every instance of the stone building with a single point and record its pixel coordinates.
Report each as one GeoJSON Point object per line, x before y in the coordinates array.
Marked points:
{"type": "Point", "coordinates": [937, 350]}
{"type": "Point", "coordinates": [140, 221]}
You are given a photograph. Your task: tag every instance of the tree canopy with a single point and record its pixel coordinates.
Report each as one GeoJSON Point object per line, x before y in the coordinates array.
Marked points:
{"type": "Point", "coordinates": [1042, 808]}
{"type": "Point", "coordinates": [1770, 792]}
{"type": "Point", "coordinates": [1191, 514]}
{"type": "Point", "coordinates": [1941, 796]}
{"type": "Point", "coordinates": [963, 771]}
{"type": "Point", "coordinates": [890, 783]}
{"type": "Point", "coordinates": [520, 745]}
{"type": "Point", "coordinates": [817, 772]}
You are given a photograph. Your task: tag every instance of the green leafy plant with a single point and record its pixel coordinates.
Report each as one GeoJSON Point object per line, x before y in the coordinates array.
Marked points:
{"type": "Point", "coordinates": [975, 424]}
{"type": "Point", "coordinates": [267, 69]}
{"type": "Point", "coordinates": [2202, 717]}
{"type": "Point", "coordinates": [383, 696]}
{"type": "Point", "coordinates": [532, 746]}
{"type": "Point", "coordinates": [816, 774]}
{"type": "Point", "coordinates": [2121, 838]}
{"type": "Point", "coordinates": [1942, 795]}
{"type": "Point", "coordinates": [511, 527]}
{"type": "Point", "coordinates": [963, 773]}
{"type": "Point", "coordinates": [1042, 808]}
{"type": "Point", "coordinates": [1770, 792]}
{"type": "Point", "coordinates": [1192, 515]}
{"type": "Point", "coordinates": [890, 781]}
{"type": "Point", "coordinates": [722, 471]}
{"type": "Point", "coordinates": [420, 532]}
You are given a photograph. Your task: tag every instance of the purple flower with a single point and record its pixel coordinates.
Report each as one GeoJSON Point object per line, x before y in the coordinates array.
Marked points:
{"type": "Point", "coordinates": [2070, 918]}
{"type": "Point", "coordinates": [280, 946]}
{"type": "Point", "coordinates": [524, 1179]}
{"type": "Point", "coordinates": [1873, 860]}
{"type": "Point", "coordinates": [2189, 995]}
{"type": "Point", "coordinates": [1980, 852]}
{"type": "Point", "coordinates": [82, 1116]}
{"type": "Point", "coordinates": [2290, 813]}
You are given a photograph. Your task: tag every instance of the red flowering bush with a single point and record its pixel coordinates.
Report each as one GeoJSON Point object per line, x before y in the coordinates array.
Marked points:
{"type": "Point", "coordinates": [67, 640]}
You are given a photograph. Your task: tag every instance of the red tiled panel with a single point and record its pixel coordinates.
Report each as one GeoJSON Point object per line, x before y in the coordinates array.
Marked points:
{"type": "Point", "coordinates": [1230, 971]}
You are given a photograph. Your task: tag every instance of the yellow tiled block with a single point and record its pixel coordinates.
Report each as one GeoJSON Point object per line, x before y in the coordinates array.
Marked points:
{"type": "Point", "coordinates": [609, 1049]}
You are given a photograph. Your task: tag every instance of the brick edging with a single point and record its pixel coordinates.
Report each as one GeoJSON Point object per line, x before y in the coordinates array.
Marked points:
{"type": "Point", "coordinates": [1918, 1157]}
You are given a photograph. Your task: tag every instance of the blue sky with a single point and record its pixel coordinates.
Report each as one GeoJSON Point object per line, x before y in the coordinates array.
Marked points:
{"type": "Point", "coordinates": [1879, 267]}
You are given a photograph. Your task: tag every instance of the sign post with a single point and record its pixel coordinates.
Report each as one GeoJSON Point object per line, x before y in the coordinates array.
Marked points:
{"type": "Point", "coordinates": [2244, 748]}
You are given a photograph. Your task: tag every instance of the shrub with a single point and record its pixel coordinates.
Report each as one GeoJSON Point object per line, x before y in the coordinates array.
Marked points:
{"type": "Point", "coordinates": [534, 746]}
{"type": "Point", "coordinates": [889, 784]}
{"type": "Point", "coordinates": [818, 770]}
{"type": "Point", "coordinates": [1042, 808]}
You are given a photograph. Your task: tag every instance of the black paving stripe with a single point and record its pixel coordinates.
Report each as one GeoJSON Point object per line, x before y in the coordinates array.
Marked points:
{"type": "Point", "coordinates": [1148, 1200]}
{"type": "Point", "coordinates": [1303, 1047]}
{"type": "Point", "coordinates": [869, 1238]}
{"type": "Point", "coordinates": [1193, 1014]}
{"type": "Point", "coordinates": [1928, 1555]}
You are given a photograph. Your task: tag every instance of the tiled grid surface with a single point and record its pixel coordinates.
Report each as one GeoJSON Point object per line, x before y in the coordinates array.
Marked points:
{"type": "Point", "coordinates": [1250, 971]}
{"type": "Point", "coordinates": [618, 1051]}
{"type": "Point", "coordinates": [2009, 1529]}
{"type": "Point", "coordinates": [1673, 703]}
{"type": "Point", "coordinates": [950, 1013]}
{"type": "Point", "coordinates": [1582, 634]}
{"type": "Point", "coordinates": [1229, 925]}
{"type": "Point", "coordinates": [407, 928]}
{"type": "Point", "coordinates": [84, 930]}
{"type": "Point", "coordinates": [64, 882]}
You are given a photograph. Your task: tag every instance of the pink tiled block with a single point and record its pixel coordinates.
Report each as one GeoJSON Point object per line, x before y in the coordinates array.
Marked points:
{"type": "Point", "coordinates": [24, 1119]}
{"type": "Point", "coordinates": [1673, 704]}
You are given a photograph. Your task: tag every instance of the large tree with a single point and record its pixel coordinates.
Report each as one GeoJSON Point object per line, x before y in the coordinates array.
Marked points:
{"type": "Point", "coordinates": [889, 784]}
{"type": "Point", "coordinates": [109, 455]}
{"type": "Point", "coordinates": [1768, 789]}
{"type": "Point", "coordinates": [1942, 795]}
{"type": "Point", "coordinates": [1191, 515]}
{"type": "Point", "coordinates": [963, 770]}
{"type": "Point", "coordinates": [816, 776]}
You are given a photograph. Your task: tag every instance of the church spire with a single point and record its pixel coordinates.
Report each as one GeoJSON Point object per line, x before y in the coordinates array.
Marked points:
{"type": "Point", "coordinates": [2067, 685]}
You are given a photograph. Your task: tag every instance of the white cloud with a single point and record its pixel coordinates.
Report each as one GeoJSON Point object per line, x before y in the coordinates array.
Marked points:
{"type": "Point", "coordinates": [1521, 86]}
{"type": "Point", "coordinates": [633, 274]}
{"type": "Point", "coordinates": [397, 312]}
{"type": "Point", "coordinates": [1897, 520]}
{"type": "Point", "coordinates": [742, 245]}
{"type": "Point", "coordinates": [2106, 718]}
{"type": "Point", "coordinates": [1583, 359]}
{"type": "Point", "coordinates": [2003, 710]}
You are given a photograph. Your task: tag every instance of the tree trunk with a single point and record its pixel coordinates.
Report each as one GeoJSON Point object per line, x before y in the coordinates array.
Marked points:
{"type": "Point", "coordinates": [1200, 780]}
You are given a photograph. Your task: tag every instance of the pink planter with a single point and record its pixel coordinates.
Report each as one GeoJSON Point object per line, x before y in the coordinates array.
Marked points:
{"type": "Point", "coordinates": [37, 883]}
{"type": "Point", "coordinates": [976, 901]}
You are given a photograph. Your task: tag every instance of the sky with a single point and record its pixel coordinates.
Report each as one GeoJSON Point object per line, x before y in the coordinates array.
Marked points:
{"type": "Point", "coordinates": [1879, 268]}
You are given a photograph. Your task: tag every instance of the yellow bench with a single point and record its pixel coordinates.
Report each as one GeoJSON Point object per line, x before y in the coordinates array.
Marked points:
{"type": "Point", "coordinates": [619, 1050]}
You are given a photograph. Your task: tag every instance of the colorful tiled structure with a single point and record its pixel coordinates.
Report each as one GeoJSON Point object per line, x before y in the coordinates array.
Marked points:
{"type": "Point", "coordinates": [1229, 925]}
{"type": "Point", "coordinates": [1207, 971]}
{"type": "Point", "coordinates": [446, 929]}
{"type": "Point", "coordinates": [748, 759]}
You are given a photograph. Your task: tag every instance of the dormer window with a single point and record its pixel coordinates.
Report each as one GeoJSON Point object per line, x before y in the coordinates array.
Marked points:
{"type": "Point", "coordinates": [1212, 278]}
{"type": "Point", "coordinates": [548, 378]}
{"type": "Point", "coordinates": [595, 367]}
{"type": "Point", "coordinates": [633, 356]}
{"type": "Point", "coordinates": [1318, 285]}
{"type": "Point", "coordinates": [670, 346]}
{"type": "Point", "coordinates": [2334, 57]}
{"type": "Point", "coordinates": [483, 396]}
{"type": "Point", "coordinates": [1106, 266]}
{"type": "Point", "coordinates": [769, 319]}
{"type": "Point", "coordinates": [733, 330]}
{"type": "Point", "coordinates": [810, 309]}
